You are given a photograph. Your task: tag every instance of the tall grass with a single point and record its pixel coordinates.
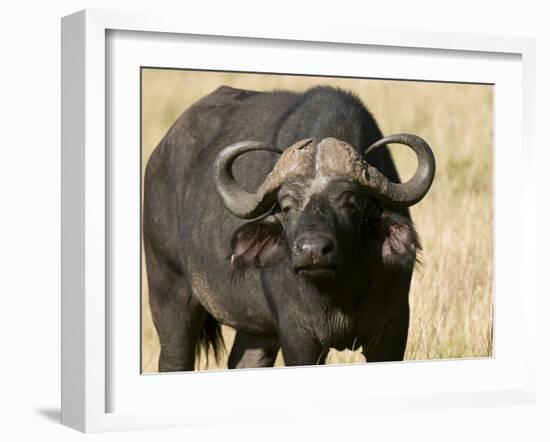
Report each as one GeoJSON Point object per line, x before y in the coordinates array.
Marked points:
{"type": "Point", "coordinates": [452, 292]}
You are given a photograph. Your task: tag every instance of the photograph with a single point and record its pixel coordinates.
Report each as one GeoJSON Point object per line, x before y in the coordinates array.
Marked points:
{"type": "Point", "coordinates": [304, 220]}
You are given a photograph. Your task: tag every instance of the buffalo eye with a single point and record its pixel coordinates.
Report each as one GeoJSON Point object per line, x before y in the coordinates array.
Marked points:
{"type": "Point", "coordinates": [348, 200]}
{"type": "Point", "coordinates": [287, 204]}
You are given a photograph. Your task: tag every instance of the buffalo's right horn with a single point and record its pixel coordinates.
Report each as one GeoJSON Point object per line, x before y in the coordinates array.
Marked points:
{"type": "Point", "coordinates": [238, 201]}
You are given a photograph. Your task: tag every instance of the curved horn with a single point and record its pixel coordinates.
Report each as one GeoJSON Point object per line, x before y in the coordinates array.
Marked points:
{"type": "Point", "coordinates": [238, 201]}
{"type": "Point", "coordinates": [411, 192]}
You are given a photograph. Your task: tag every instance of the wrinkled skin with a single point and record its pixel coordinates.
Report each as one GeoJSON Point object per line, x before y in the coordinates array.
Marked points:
{"type": "Point", "coordinates": [328, 267]}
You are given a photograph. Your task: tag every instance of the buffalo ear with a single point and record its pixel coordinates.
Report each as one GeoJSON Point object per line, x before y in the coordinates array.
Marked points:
{"type": "Point", "coordinates": [392, 238]}
{"type": "Point", "coordinates": [258, 244]}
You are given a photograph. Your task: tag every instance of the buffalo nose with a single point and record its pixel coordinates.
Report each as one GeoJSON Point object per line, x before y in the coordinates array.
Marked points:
{"type": "Point", "coordinates": [316, 246]}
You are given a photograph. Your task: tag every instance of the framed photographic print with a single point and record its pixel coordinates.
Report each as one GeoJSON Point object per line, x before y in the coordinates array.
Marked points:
{"type": "Point", "coordinates": [250, 213]}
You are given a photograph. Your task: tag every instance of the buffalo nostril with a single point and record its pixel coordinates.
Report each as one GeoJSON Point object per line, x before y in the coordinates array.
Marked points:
{"type": "Point", "coordinates": [327, 247]}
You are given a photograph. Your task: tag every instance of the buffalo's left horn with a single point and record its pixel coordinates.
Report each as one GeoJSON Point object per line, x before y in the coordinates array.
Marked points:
{"type": "Point", "coordinates": [238, 201]}
{"type": "Point", "coordinates": [402, 194]}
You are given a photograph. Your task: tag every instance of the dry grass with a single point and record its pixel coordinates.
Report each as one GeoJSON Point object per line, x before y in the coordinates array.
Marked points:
{"type": "Point", "coordinates": [452, 293]}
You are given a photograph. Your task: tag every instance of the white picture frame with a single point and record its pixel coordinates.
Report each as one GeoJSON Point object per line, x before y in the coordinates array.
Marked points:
{"type": "Point", "coordinates": [87, 212]}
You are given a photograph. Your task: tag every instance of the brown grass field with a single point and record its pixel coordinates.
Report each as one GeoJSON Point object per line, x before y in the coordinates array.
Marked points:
{"type": "Point", "coordinates": [452, 292]}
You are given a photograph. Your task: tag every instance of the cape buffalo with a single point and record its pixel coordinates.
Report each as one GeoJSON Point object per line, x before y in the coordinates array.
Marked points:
{"type": "Point", "coordinates": [270, 213]}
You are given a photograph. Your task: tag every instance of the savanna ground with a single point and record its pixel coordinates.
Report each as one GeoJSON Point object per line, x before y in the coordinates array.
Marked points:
{"type": "Point", "coordinates": [452, 292]}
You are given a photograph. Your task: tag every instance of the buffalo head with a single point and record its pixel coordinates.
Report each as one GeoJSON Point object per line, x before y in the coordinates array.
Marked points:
{"type": "Point", "coordinates": [320, 206]}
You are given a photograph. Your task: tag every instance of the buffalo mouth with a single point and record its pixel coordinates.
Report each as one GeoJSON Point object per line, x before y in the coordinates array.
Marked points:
{"type": "Point", "coordinates": [317, 271]}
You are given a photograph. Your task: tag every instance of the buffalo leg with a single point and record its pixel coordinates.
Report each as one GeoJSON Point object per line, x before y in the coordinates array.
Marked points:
{"type": "Point", "coordinates": [250, 351]}
{"type": "Point", "coordinates": [179, 326]}
{"type": "Point", "coordinates": [177, 316]}
{"type": "Point", "coordinates": [302, 349]}
{"type": "Point", "coordinates": [388, 342]}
